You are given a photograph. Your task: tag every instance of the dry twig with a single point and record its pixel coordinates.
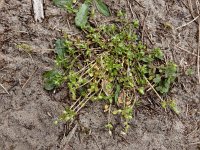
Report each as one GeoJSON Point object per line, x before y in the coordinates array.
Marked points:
{"type": "Point", "coordinates": [187, 51]}
{"type": "Point", "coordinates": [130, 6]}
{"type": "Point", "coordinates": [4, 89]}
{"type": "Point", "coordinates": [198, 49]}
{"type": "Point", "coordinates": [191, 8]}
{"type": "Point", "coordinates": [29, 78]}
{"type": "Point", "coordinates": [153, 89]}
{"type": "Point", "coordinates": [67, 138]}
{"type": "Point", "coordinates": [198, 62]}
{"type": "Point", "coordinates": [138, 3]}
{"type": "Point", "coordinates": [187, 23]}
{"type": "Point", "coordinates": [143, 26]}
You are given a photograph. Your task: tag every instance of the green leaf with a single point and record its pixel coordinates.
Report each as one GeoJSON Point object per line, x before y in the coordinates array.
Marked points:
{"type": "Point", "coordinates": [102, 8]}
{"type": "Point", "coordinates": [109, 126]}
{"type": "Point", "coordinates": [170, 70]}
{"type": "Point", "coordinates": [158, 53]}
{"type": "Point", "coordinates": [136, 23]}
{"type": "Point", "coordinates": [157, 79]}
{"type": "Point", "coordinates": [115, 112]}
{"type": "Point", "coordinates": [67, 115]}
{"type": "Point", "coordinates": [60, 48]}
{"type": "Point", "coordinates": [173, 106]}
{"type": "Point", "coordinates": [141, 90]}
{"type": "Point", "coordinates": [82, 15]}
{"type": "Point", "coordinates": [164, 104]}
{"type": "Point", "coordinates": [62, 3]}
{"type": "Point", "coordinates": [164, 86]}
{"type": "Point", "coordinates": [117, 93]}
{"type": "Point", "coordinates": [52, 79]}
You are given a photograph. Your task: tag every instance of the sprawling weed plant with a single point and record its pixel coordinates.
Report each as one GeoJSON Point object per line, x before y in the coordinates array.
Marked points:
{"type": "Point", "coordinates": [109, 63]}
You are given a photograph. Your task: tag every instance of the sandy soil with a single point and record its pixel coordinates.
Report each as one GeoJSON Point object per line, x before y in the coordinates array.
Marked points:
{"type": "Point", "coordinates": [27, 111]}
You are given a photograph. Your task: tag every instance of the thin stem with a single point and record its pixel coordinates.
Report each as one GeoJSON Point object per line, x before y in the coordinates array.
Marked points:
{"type": "Point", "coordinates": [153, 89]}
{"type": "Point", "coordinates": [82, 105]}
{"type": "Point", "coordinates": [81, 101]}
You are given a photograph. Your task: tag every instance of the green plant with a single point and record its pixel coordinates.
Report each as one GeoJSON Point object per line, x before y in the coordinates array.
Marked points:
{"type": "Point", "coordinates": [171, 104]}
{"type": "Point", "coordinates": [109, 63]}
{"type": "Point", "coordinates": [82, 13]}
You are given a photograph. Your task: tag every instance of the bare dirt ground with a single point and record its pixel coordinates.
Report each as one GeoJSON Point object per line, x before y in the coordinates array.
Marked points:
{"type": "Point", "coordinates": [27, 111]}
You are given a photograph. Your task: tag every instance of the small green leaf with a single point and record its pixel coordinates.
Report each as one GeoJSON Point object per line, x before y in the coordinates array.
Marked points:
{"type": "Point", "coordinates": [109, 126]}
{"type": "Point", "coordinates": [115, 112]}
{"type": "Point", "coordinates": [102, 8]}
{"type": "Point", "coordinates": [52, 79]}
{"type": "Point", "coordinates": [164, 104]}
{"type": "Point", "coordinates": [82, 15]}
{"type": "Point", "coordinates": [62, 3]}
{"type": "Point", "coordinates": [164, 86]}
{"type": "Point", "coordinates": [60, 48]}
{"type": "Point", "coordinates": [173, 106]}
{"type": "Point", "coordinates": [141, 90]}
{"type": "Point", "coordinates": [157, 79]}
{"type": "Point", "coordinates": [120, 13]}
{"type": "Point", "coordinates": [136, 23]}
{"type": "Point", "coordinates": [67, 115]}
{"type": "Point", "coordinates": [158, 53]}
{"type": "Point", "coordinates": [170, 70]}
{"type": "Point", "coordinates": [117, 92]}
{"type": "Point", "coordinates": [56, 122]}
